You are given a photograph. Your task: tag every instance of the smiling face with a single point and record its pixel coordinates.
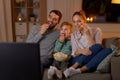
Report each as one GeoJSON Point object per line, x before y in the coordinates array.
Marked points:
{"type": "Point", "coordinates": [52, 20]}
{"type": "Point", "coordinates": [78, 22]}
{"type": "Point", "coordinates": [65, 30]}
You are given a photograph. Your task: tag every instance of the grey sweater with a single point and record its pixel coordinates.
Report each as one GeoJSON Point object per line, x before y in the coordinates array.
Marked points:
{"type": "Point", "coordinates": [46, 41]}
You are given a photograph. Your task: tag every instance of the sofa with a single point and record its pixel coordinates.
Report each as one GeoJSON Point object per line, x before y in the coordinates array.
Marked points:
{"type": "Point", "coordinates": [108, 69]}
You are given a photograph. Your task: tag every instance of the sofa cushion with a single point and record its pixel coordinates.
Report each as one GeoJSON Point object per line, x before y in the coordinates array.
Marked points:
{"type": "Point", "coordinates": [104, 66]}
{"type": "Point", "coordinates": [115, 68]}
{"type": "Point", "coordinates": [91, 76]}
{"type": "Point", "coordinates": [112, 43]}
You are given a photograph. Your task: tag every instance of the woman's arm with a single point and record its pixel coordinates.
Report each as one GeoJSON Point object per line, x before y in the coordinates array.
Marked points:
{"type": "Point", "coordinates": [85, 51]}
{"type": "Point", "coordinates": [73, 43]}
{"type": "Point", "coordinates": [98, 35]}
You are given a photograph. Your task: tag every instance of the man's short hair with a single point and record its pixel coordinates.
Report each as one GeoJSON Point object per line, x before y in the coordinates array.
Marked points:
{"type": "Point", "coordinates": [57, 12]}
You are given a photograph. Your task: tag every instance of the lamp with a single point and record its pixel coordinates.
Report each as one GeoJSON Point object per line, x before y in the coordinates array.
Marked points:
{"type": "Point", "coordinates": [115, 1]}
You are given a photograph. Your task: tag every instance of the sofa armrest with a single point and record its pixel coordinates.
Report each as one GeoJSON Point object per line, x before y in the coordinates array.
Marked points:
{"type": "Point", "coordinates": [115, 68]}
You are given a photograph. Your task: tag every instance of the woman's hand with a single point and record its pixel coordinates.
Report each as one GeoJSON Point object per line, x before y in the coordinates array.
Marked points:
{"type": "Point", "coordinates": [85, 51]}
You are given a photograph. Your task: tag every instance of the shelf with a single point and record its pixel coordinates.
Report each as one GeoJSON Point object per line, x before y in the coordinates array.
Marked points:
{"type": "Point", "coordinates": [22, 13]}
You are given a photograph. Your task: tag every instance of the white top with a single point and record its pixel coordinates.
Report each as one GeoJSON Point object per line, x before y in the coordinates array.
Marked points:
{"type": "Point", "coordinates": [80, 41]}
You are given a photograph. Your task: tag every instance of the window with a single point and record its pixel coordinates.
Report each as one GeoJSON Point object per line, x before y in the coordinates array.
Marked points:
{"type": "Point", "coordinates": [101, 10]}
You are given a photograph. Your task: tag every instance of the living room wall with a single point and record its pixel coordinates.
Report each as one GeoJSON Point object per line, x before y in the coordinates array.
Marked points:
{"type": "Point", "coordinates": [68, 7]}
{"type": "Point", "coordinates": [108, 29]}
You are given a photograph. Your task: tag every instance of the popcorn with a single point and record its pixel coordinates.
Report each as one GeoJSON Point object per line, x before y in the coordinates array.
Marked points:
{"type": "Point", "coordinates": [59, 56]}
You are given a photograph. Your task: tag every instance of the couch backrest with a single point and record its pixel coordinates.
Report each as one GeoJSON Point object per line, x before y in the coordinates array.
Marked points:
{"type": "Point", "coordinates": [112, 42]}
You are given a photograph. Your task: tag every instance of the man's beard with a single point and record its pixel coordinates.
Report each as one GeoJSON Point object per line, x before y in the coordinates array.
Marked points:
{"type": "Point", "coordinates": [52, 26]}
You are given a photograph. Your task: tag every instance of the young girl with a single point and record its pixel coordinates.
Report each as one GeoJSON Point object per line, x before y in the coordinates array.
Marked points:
{"type": "Point", "coordinates": [62, 51]}
{"type": "Point", "coordinates": [87, 51]}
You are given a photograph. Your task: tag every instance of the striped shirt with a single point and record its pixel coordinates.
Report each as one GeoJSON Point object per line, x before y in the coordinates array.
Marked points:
{"type": "Point", "coordinates": [80, 41]}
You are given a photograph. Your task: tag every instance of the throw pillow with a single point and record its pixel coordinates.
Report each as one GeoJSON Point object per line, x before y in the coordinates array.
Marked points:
{"type": "Point", "coordinates": [107, 42]}
{"type": "Point", "coordinates": [112, 43]}
{"type": "Point", "coordinates": [104, 66]}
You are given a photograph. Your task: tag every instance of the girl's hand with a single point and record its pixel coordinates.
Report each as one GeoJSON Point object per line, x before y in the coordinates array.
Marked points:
{"type": "Point", "coordinates": [62, 37]}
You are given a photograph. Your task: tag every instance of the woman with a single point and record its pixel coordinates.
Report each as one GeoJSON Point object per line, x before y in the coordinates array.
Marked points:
{"type": "Point", "coordinates": [87, 50]}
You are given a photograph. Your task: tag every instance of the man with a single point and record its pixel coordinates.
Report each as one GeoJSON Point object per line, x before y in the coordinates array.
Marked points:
{"type": "Point", "coordinates": [46, 36]}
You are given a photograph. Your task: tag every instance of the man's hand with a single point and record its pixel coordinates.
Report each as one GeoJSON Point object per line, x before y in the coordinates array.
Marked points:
{"type": "Point", "coordinates": [44, 28]}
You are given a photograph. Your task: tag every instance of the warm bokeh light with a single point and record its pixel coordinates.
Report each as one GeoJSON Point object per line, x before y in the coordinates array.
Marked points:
{"type": "Point", "coordinates": [115, 1]}
{"type": "Point", "coordinates": [19, 19]}
{"type": "Point", "coordinates": [89, 19]}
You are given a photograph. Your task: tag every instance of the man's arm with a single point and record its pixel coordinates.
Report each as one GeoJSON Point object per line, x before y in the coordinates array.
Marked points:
{"type": "Point", "coordinates": [36, 33]}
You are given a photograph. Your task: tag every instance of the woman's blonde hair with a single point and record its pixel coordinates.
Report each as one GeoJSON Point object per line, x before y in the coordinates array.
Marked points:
{"type": "Point", "coordinates": [81, 13]}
